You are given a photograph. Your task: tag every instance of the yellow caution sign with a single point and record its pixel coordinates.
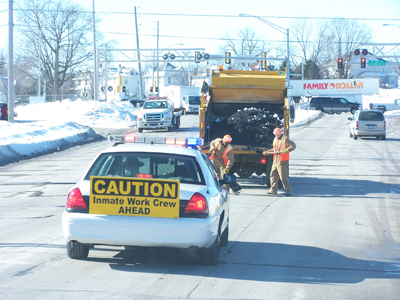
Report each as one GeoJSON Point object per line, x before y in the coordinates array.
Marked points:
{"type": "Point", "coordinates": [134, 197]}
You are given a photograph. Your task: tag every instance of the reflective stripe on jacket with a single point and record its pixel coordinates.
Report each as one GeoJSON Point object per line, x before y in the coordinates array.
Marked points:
{"type": "Point", "coordinates": [225, 155]}
{"type": "Point", "coordinates": [281, 147]}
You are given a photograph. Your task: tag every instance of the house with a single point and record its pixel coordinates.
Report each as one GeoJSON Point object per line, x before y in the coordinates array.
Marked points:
{"type": "Point", "coordinates": [167, 75]}
{"type": "Point", "coordinates": [117, 84]}
{"type": "Point", "coordinates": [3, 89]}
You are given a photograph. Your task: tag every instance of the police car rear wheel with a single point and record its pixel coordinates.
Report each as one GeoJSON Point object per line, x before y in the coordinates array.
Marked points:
{"type": "Point", "coordinates": [210, 256]}
{"type": "Point", "coordinates": [77, 250]}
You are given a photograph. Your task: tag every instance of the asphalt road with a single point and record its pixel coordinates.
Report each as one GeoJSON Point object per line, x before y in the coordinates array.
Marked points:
{"type": "Point", "coordinates": [337, 237]}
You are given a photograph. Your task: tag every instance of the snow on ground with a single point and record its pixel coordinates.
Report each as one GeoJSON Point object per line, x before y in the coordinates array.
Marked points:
{"type": "Point", "coordinates": [48, 127]}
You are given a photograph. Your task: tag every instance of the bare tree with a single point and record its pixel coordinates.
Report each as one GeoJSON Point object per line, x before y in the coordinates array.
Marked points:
{"type": "Point", "coordinates": [245, 42]}
{"type": "Point", "coordinates": [344, 37]}
{"type": "Point", "coordinates": [58, 31]}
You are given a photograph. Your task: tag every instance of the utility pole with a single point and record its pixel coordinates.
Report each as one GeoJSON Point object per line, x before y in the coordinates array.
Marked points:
{"type": "Point", "coordinates": [10, 62]}
{"type": "Point", "coordinates": [96, 68]}
{"type": "Point", "coordinates": [40, 64]}
{"type": "Point", "coordinates": [138, 53]}
{"type": "Point", "coordinates": [158, 78]}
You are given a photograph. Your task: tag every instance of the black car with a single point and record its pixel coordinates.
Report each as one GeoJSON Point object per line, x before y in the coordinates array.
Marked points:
{"type": "Point", "coordinates": [333, 105]}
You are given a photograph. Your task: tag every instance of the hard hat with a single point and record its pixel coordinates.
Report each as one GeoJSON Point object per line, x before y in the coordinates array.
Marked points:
{"type": "Point", "coordinates": [227, 138]}
{"type": "Point", "coordinates": [277, 131]}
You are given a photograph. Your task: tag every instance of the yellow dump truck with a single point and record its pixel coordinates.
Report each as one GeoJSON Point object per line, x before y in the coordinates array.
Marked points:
{"type": "Point", "coordinates": [247, 105]}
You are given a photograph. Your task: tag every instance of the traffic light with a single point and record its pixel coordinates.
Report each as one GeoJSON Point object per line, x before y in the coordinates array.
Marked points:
{"type": "Point", "coordinates": [228, 58]}
{"type": "Point", "coordinates": [340, 63]}
{"type": "Point", "coordinates": [197, 57]}
{"type": "Point", "coordinates": [195, 72]}
{"type": "Point", "coordinates": [123, 89]}
{"type": "Point", "coordinates": [364, 52]}
{"type": "Point", "coordinates": [156, 89]}
{"type": "Point", "coordinates": [357, 52]}
{"type": "Point", "coordinates": [151, 89]}
{"type": "Point", "coordinates": [119, 80]}
{"type": "Point", "coordinates": [263, 62]}
{"type": "Point", "coordinates": [117, 88]}
{"type": "Point", "coordinates": [363, 59]}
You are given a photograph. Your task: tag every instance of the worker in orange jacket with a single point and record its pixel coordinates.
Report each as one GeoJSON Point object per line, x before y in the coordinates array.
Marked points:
{"type": "Point", "coordinates": [282, 145]}
{"type": "Point", "coordinates": [222, 154]}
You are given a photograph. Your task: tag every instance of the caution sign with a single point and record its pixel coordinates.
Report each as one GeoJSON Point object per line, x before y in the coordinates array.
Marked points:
{"type": "Point", "coordinates": [134, 197]}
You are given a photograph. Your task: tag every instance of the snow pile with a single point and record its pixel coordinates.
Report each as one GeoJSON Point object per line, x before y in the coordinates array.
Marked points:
{"type": "Point", "coordinates": [52, 126]}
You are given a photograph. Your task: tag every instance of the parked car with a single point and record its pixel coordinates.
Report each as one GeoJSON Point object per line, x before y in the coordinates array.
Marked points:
{"type": "Point", "coordinates": [365, 123]}
{"type": "Point", "coordinates": [333, 105]}
{"type": "Point", "coordinates": [4, 111]}
{"type": "Point", "coordinates": [395, 105]}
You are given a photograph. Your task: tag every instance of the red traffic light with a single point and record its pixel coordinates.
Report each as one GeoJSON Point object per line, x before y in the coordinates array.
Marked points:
{"type": "Point", "coordinates": [363, 59]}
{"type": "Point", "coordinates": [364, 52]}
{"type": "Point", "coordinates": [340, 63]}
{"type": "Point", "coordinates": [357, 52]}
{"type": "Point", "coordinates": [151, 89]}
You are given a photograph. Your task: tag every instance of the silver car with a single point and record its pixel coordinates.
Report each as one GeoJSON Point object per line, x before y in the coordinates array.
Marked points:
{"type": "Point", "coordinates": [367, 123]}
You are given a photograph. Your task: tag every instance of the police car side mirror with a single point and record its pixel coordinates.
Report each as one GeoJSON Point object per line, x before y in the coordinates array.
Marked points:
{"type": "Point", "coordinates": [228, 178]}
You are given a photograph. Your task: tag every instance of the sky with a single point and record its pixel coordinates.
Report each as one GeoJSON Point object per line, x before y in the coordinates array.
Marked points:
{"type": "Point", "coordinates": [53, 126]}
{"type": "Point", "coordinates": [201, 24]}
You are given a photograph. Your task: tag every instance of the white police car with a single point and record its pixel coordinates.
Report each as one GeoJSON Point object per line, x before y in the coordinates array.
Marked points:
{"type": "Point", "coordinates": [151, 192]}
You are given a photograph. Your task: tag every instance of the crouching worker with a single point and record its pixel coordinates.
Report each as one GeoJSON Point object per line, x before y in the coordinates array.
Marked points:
{"type": "Point", "coordinates": [222, 155]}
{"type": "Point", "coordinates": [280, 166]}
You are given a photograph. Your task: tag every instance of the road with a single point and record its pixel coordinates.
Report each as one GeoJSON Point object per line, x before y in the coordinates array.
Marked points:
{"type": "Point", "coordinates": [337, 237]}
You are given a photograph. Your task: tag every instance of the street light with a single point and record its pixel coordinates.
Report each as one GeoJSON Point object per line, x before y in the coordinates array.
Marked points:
{"type": "Point", "coordinates": [391, 25]}
{"type": "Point", "coordinates": [284, 31]}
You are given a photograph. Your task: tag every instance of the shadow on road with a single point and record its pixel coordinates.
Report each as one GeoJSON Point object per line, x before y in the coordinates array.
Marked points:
{"type": "Point", "coordinates": [267, 262]}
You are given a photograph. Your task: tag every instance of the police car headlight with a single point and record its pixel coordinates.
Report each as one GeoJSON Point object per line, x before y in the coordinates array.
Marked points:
{"type": "Point", "coordinates": [214, 205]}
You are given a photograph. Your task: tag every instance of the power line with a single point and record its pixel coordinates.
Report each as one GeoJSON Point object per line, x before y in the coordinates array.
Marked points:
{"type": "Point", "coordinates": [219, 16]}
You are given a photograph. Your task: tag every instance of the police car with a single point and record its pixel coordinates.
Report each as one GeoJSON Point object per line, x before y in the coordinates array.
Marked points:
{"type": "Point", "coordinates": [150, 192]}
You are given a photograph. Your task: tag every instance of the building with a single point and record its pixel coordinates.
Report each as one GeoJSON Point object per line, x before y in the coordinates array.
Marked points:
{"type": "Point", "coordinates": [117, 84]}
{"type": "Point", "coordinates": [387, 78]}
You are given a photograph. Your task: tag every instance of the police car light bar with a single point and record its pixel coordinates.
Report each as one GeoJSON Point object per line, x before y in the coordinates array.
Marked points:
{"type": "Point", "coordinates": [129, 138]}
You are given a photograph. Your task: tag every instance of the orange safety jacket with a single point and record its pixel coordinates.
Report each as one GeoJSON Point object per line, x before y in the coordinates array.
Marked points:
{"type": "Point", "coordinates": [225, 154]}
{"type": "Point", "coordinates": [284, 156]}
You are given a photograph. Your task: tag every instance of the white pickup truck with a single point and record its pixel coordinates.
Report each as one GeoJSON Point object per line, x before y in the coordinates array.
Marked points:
{"type": "Point", "coordinates": [157, 113]}
{"type": "Point", "coordinates": [386, 106]}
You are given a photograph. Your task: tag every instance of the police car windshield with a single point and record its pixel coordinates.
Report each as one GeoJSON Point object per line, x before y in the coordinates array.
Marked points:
{"type": "Point", "coordinates": [148, 165]}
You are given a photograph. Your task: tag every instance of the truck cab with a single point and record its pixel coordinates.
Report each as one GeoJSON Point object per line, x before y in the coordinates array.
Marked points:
{"type": "Point", "coordinates": [191, 104]}
{"type": "Point", "coordinates": [157, 114]}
